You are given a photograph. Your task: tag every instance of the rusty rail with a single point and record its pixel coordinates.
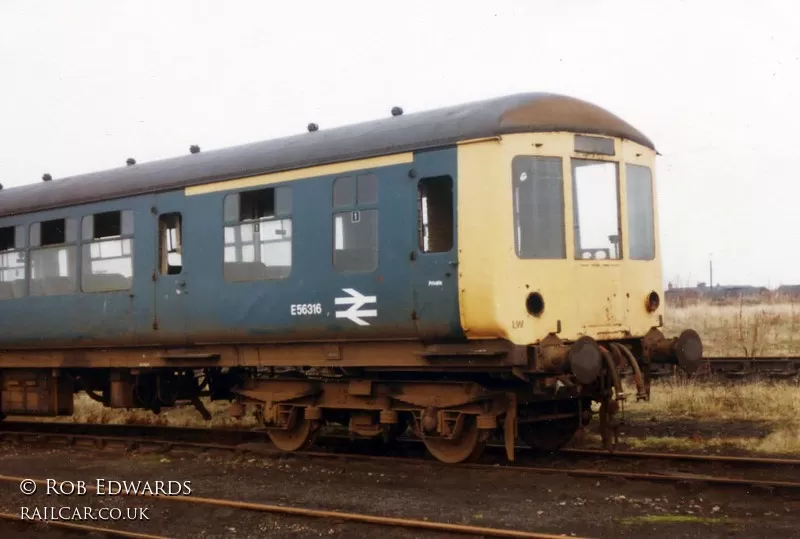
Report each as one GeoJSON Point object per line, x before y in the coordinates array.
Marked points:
{"type": "Point", "coordinates": [108, 532]}
{"type": "Point", "coordinates": [318, 513]}
{"type": "Point", "coordinates": [736, 368]}
{"type": "Point", "coordinates": [683, 456]}
{"type": "Point", "coordinates": [675, 477]}
{"type": "Point", "coordinates": [202, 438]}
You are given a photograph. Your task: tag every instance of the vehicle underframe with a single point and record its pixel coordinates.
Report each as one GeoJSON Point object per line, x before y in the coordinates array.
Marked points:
{"type": "Point", "coordinates": [454, 397]}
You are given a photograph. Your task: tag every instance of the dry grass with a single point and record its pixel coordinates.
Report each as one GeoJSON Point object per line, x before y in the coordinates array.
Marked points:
{"type": "Point", "coordinates": [740, 330]}
{"type": "Point", "coordinates": [757, 417]}
{"type": "Point", "coordinates": [782, 443]}
{"type": "Point", "coordinates": [755, 401]}
{"type": "Point", "coordinates": [90, 411]}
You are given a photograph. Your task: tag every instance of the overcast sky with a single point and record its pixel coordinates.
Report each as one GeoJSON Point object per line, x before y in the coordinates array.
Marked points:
{"type": "Point", "coordinates": [716, 86]}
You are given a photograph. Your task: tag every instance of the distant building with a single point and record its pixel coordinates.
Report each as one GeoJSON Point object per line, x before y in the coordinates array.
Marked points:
{"type": "Point", "coordinates": [726, 294]}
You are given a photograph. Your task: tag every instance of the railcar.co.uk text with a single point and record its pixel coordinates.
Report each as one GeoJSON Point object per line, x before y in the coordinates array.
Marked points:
{"type": "Point", "coordinates": [98, 487]}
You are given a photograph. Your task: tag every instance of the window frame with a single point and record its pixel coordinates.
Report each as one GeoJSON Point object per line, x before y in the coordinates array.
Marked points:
{"type": "Point", "coordinates": [575, 209]}
{"type": "Point", "coordinates": [356, 207]}
{"type": "Point", "coordinates": [21, 235]}
{"type": "Point", "coordinates": [652, 210]}
{"type": "Point", "coordinates": [121, 237]}
{"type": "Point", "coordinates": [282, 212]}
{"type": "Point", "coordinates": [162, 250]}
{"type": "Point", "coordinates": [515, 200]}
{"type": "Point", "coordinates": [422, 226]}
{"type": "Point", "coordinates": [32, 249]}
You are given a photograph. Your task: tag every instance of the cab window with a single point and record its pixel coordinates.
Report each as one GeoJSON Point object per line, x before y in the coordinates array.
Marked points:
{"type": "Point", "coordinates": [641, 221]}
{"type": "Point", "coordinates": [538, 184]}
{"type": "Point", "coordinates": [595, 200]}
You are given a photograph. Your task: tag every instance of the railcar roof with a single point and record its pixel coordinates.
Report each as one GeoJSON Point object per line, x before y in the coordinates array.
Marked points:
{"type": "Point", "coordinates": [528, 112]}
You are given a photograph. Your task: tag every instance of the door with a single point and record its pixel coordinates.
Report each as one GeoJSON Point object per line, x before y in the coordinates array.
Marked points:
{"type": "Point", "coordinates": [598, 250]}
{"type": "Point", "coordinates": [434, 261]}
{"type": "Point", "coordinates": [171, 292]}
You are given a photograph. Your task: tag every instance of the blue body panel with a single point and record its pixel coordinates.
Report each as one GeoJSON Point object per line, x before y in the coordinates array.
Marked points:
{"type": "Point", "coordinates": [84, 317]}
{"type": "Point", "coordinates": [198, 306]}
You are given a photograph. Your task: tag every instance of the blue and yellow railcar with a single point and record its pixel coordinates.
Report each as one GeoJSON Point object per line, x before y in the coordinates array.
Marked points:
{"type": "Point", "coordinates": [484, 267]}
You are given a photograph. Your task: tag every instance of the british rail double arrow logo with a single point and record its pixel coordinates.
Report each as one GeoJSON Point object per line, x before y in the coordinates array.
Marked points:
{"type": "Point", "coordinates": [356, 300]}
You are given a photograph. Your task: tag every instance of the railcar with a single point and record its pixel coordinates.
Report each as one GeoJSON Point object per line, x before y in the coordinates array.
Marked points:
{"type": "Point", "coordinates": [485, 268]}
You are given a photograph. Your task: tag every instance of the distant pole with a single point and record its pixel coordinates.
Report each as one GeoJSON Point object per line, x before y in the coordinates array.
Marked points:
{"type": "Point", "coordinates": [711, 273]}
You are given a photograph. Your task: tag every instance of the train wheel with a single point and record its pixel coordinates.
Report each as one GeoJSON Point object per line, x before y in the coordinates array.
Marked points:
{"type": "Point", "coordinates": [300, 436]}
{"type": "Point", "coordinates": [468, 445]}
{"type": "Point", "coordinates": [393, 432]}
{"type": "Point", "coordinates": [549, 436]}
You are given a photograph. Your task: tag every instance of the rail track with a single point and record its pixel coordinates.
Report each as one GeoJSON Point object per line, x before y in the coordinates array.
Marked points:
{"type": "Point", "coordinates": [132, 437]}
{"type": "Point", "coordinates": [739, 368]}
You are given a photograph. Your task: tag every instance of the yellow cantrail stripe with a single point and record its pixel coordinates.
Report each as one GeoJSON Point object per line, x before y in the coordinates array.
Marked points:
{"type": "Point", "coordinates": [309, 172]}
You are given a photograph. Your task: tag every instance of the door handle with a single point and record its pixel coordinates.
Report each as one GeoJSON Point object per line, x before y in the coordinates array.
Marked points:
{"type": "Point", "coordinates": [180, 288]}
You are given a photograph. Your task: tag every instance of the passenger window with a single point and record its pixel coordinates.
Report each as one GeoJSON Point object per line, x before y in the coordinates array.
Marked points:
{"type": "Point", "coordinates": [367, 189]}
{"type": "Point", "coordinates": [350, 191]}
{"type": "Point", "coordinates": [12, 262]}
{"type": "Point", "coordinates": [596, 210]}
{"type": "Point", "coordinates": [641, 223]}
{"type": "Point", "coordinates": [355, 247]}
{"type": "Point", "coordinates": [107, 251]}
{"type": "Point", "coordinates": [355, 232]}
{"type": "Point", "coordinates": [258, 235]}
{"type": "Point", "coordinates": [53, 257]}
{"type": "Point", "coordinates": [344, 192]}
{"type": "Point", "coordinates": [170, 246]}
{"type": "Point", "coordinates": [435, 216]}
{"type": "Point", "coordinates": [538, 184]}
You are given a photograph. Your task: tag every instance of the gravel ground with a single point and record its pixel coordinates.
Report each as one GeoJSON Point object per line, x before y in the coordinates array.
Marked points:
{"type": "Point", "coordinates": [484, 497]}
